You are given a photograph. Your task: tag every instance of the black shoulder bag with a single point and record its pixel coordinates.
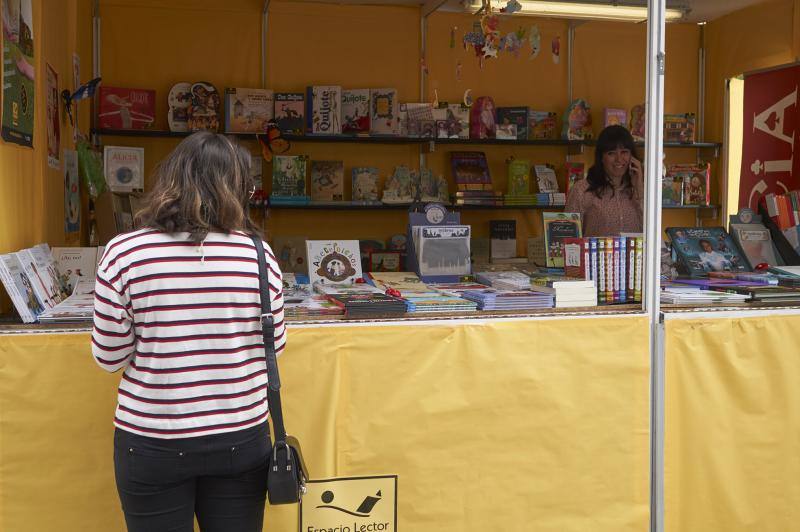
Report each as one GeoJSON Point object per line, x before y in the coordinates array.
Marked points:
{"type": "Point", "coordinates": [286, 471]}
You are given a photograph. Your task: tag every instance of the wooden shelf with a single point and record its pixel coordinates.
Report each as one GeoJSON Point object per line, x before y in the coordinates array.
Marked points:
{"type": "Point", "coordinates": [406, 207]}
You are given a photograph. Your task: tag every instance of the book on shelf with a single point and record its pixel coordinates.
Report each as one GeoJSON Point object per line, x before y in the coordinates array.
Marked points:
{"type": "Point", "coordinates": [470, 170]}
{"type": "Point", "coordinates": [705, 249]}
{"type": "Point", "coordinates": [327, 181]}
{"type": "Point", "coordinates": [546, 178]}
{"type": "Point", "coordinates": [324, 111]}
{"type": "Point", "coordinates": [333, 261]}
{"type": "Point", "coordinates": [123, 108]}
{"type": "Point", "coordinates": [557, 226]}
{"type": "Point", "coordinates": [365, 185]}
{"type": "Point", "coordinates": [505, 132]}
{"type": "Point", "coordinates": [248, 110]}
{"type": "Point", "coordinates": [399, 187]}
{"type": "Point", "coordinates": [672, 188]}
{"type": "Point", "coordinates": [696, 182]}
{"type": "Point", "coordinates": [289, 113]}
{"type": "Point", "coordinates": [482, 118]}
{"type": "Point", "coordinates": [74, 264]}
{"type": "Point", "coordinates": [19, 287]}
{"type": "Point", "coordinates": [519, 177]}
{"type": "Point", "coordinates": [514, 116]}
{"type": "Point", "coordinates": [203, 112]}
{"type": "Point", "coordinates": [289, 179]}
{"type": "Point", "coordinates": [290, 251]}
{"type": "Point", "coordinates": [615, 117]}
{"type": "Point", "coordinates": [638, 126]}
{"type": "Point", "coordinates": [503, 239]}
{"type": "Point", "coordinates": [755, 242]}
{"type": "Point", "coordinates": [384, 112]}
{"type": "Point", "coordinates": [679, 128]}
{"type": "Point", "coordinates": [385, 261]}
{"type": "Point", "coordinates": [355, 111]}
{"type": "Point", "coordinates": [575, 172]}
{"type": "Point", "coordinates": [124, 168]}
{"type": "Point", "coordinates": [456, 122]}
{"type": "Point", "coordinates": [541, 125]}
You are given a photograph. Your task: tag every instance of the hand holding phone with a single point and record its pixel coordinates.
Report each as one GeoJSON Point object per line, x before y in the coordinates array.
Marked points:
{"type": "Point", "coordinates": [636, 170]}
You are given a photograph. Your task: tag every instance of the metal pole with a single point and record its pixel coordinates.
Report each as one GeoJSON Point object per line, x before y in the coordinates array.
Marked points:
{"type": "Point", "coordinates": [570, 46]}
{"type": "Point", "coordinates": [264, 33]}
{"type": "Point", "coordinates": [96, 42]}
{"type": "Point", "coordinates": [423, 42]}
{"type": "Point", "coordinates": [701, 86]}
{"type": "Point", "coordinates": [654, 152]}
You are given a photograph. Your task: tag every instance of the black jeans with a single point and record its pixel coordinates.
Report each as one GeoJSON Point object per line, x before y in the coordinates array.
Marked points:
{"type": "Point", "coordinates": [221, 478]}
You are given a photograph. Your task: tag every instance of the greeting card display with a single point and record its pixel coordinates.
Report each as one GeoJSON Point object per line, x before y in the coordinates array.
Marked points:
{"type": "Point", "coordinates": [121, 108]}
{"type": "Point", "coordinates": [179, 101]}
{"type": "Point", "coordinates": [204, 109]}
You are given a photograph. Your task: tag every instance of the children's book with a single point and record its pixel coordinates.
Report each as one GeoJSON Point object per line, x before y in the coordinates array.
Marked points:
{"type": "Point", "coordinates": [124, 168]}
{"type": "Point", "coordinates": [75, 264]}
{"type": "Point", "coordinates": [638, 122]}
{"type": "Point", "coordinates": [355, 111]}
{"type": "Point", "coordinates": [365, 185]}
{"type": "Point", "coordinates": [433, 188]}
{"type": "Point", "coordinates": [204, 110]}
{"type": "Point", "coordinates": [519, 177]}
{"type": "Point", "coordinates": [20, 288]}
{"type": "Point", "coordinates": [121, 108]}
{"type": "Point", "coordinates": [679, 128]}
{"type": "Point", "coordinates": [696, 180]}
{"type": "Point", "coordinates": [503, 239]}
{"type": "Point", "coordinates": [457, 121]}
{"type": "Point", "coordinates": [755, 241]}
{"type": "Point", "coordinates": [672, 189]}
{"type": "Point", "coordinates": [248, 110]}
{"type": "Point", "coordinates": [557, 227]}
{"type": "Point", "coordinates": [289, 177]}
{"type": "Point", "coordinates": [505, 132]}
{"type": "Point", "coordinates": [541, 125]}
{"type": "Point", "coordinates": [615, 117]}
{"type": "Point", "coordinates": [516, 116]}
{"type": "Point", "coordinates": [443, 250]}
{"type": "Point", "coordinates": [470, 170]}
{"type": "Point", "coordinates": [384, 112]}
{"type": "Point", "coordinates": [290, 112]}
{"type": "Point", "coordinates": [482, 118]}
{"type": "Point", "coordinates": [546, 178]}
{"type": "Point", "coordinates": [400, 186]}
{"type": "Point", "coordinates": [577, 121]}
{"type": "Point", "coordinates": [575, 173]}
{"type": "Point", "coordinates": [706, 249]}
{"type": "Point", "coordinates": [324, 111]}
{"type": "Point", "coordinates": [291, 253]}
{"type": "Point", "coordinates": [333, 261]}
{"type": "Point", "coordinates": [327, 181]}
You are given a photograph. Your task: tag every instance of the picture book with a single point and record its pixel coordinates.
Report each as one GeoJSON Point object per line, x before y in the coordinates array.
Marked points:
{"type": "Point", "coordinates": [696, 181]}
{"type": "Point", "coordinates": [124, 168]}
{"type": "Point", "coordinates": [577, 257]}
{"type": "Point", "coordinates": [615, 117]}
{"type": "Point", "coordinates": [384, 112]}
{"type": "Point", "coordinates": [482, 118]}
{"type": "Point", "coordinates": [289, 176]}
{"type": "Point", "coordinates": [355, 111]}
{"type": "Point", "coordinates": [385, 261]}
{"type": "Point", "coordinates": [333, 261]}
{"type": "Point", "coordinates": [519, 177]}
{"type": "Point", "coordinates": [327, 180]}
{"type": "Point", "coordinates": [503, 239]}
{"type": "Point", "coordinates": [672, 189]}
{"type": "Point", "coordinates": [541, 125]}
{"type": "Point", "coordinates": [291, 253]}
{"type": "Point", "coordinates": [433, 188]}
{"type": "Point", "coordinates": [755, 241]}
{"type": "Point", "coordinates": [75, 264]}
{"type": "Point", "coordinates": [290, 112]}
{"type": "Point", "coordinates": [457, 122]}
{"type": "Point", "coordinates": [443, 250]}
{"type": "Point", "coordinates": [546, 178]}
{"type": "Point", "coordinates": [705, 249]}
{"type": "Point", "coordinates": [638, 123]}
{"type": "Point", "coordinates": [324, 111]}
{"type": "Point", "coordinates": [179, 99]}
{"type": "Point", "coordinates": [517, 116]}
{"type": "Point", "coordinates": [470, 170]}
{"type": "Point", "coordinates": [418, 117]}
{"type": "Point", "coordinates": [575, 173]}
{"type": "Point", "coordinates": [121, 108]}
{"type": "Point", "coordinates": [399, 187]}
{"type": "Point", "coordinates": [20, 288]}
{"type": "Point", "coordinates": [38, 264]}
{"type": "Point", "coordinates": [248, 110]}
{"type": "Point", "coordinates": [505, 132]}
{"type": "Point", "coordinates": [204, 110]}
{"type": "Point", "coordinates": [679, 128]}
{"type": "Point", "coordinates": [557, 227]}
{"type": "Point", "coordinates": [365, 185]}
{"type": "Point", "coordinates": [577, 123]}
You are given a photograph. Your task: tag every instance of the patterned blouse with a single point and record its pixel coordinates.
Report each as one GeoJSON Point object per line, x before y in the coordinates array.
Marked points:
{"type": "Point", "coordinates": [610, 215]}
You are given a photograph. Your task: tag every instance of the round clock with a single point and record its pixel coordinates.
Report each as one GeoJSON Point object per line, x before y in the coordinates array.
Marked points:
{"type": "Point", "coordinates": [435, 213]}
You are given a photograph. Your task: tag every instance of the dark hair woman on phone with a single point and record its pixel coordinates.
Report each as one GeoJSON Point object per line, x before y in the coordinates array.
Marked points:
{"type": "Point", "coordinates": [610, 198]}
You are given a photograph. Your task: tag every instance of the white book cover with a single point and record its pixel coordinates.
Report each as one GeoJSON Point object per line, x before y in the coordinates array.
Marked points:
{"type": "Point", "coordinates": [384, 112]}
{"type": "Point", "coordinates": [546, 179]}
{"type": "Point", "coordinates": [124, 168]}
{"type": "Point", "coordinates": [325, 106]}
{"type": "Point", "coordinates": [248, 110]}
{"type": "Point", "coordinates": [756, 243]}
{"type": "Point", "coordinates": [38, 281]}
{"type": "Point", "coordinates": [355, 111]}
{"type": "Point", "coordinates": [444, 250]}
{"type": "Point", "coordinates": [19, 288]}
{"type": "Point", "coordinates": [74, 265]}
{"type": "Point", "coordinates": [333, 261]}
{"type": "Point", "coordinates": [47, 265]}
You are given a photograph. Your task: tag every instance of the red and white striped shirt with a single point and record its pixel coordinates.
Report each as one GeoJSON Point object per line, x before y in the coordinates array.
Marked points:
{"type": "Point", "coordinates": [183, 320]}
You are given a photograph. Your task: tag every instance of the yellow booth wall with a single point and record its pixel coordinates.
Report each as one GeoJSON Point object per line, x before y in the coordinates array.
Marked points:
{"type": "Point", "coordinates": [548, 433]}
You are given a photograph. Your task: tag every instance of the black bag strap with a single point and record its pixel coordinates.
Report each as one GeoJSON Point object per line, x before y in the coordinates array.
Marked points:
{"type": "Point", "coordinates": [268, 332]}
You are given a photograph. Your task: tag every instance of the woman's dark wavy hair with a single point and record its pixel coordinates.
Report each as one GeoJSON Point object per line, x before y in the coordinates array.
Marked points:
{"type": "Point", "coordinates": [203, 186]}
{"type": "Point", "coordinates": [610, 139]}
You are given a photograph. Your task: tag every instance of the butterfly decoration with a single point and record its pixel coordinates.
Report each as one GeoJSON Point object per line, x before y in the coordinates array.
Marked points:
{"type": "Point", "coordinates": [272, 141]}
{"type": "Point", "coordinates": [83, 92]}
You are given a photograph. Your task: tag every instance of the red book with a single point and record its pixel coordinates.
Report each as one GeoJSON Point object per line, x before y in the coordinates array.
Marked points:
{"type": "Point", "coordinates": [126, 108]}
{"type": "Point", "coordinates": [576, 257]}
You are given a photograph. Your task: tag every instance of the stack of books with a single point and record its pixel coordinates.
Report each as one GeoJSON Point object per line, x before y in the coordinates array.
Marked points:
{"type": "Point", "coordinates": [504, 280]}
{"type": "Point", "coordinates": [369, 305]}
{"type": "Point", "coordinates": [492, 299]}
{"type": "Point", "coordinates": [568, 292]}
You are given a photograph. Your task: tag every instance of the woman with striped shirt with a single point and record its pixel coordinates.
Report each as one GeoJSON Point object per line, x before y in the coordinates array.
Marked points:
{"type": "Point", "coordinates": [177, 308]}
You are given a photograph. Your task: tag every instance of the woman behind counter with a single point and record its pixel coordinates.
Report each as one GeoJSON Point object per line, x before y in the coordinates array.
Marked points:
{"type": "Point", "coordinates": [610, 199]}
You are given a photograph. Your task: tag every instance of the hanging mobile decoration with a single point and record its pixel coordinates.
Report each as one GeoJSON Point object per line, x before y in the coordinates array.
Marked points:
{"type": "Point", "coordinates": [458, 71]}
{"type": "Point", "coordinates": [512, 42]}
{"type": "Point", "coordinates": [83, 92]}
{"type": "Point", "coordinates": [453, 36]}
{"type": "Point", "coordinates": [511, 7]}
{"type": "Point", "coordinates": [535, 40]}
{"type": "Point", "coordinates": [556, 47]}
{"type": "Point", "coordinates": [468, 98]}
{"type": "Point", "coordinates": [474, 38]}
{"type": "Point", "coordinates": [490, 25]}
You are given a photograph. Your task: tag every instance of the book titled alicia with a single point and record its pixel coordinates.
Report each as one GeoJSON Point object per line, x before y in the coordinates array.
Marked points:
{"type": "Point", "coordinates": [324, 113]}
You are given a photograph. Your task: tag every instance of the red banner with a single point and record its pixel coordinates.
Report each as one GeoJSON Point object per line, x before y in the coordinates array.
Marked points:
{"type": "Point", "coordinates": [770, 126]}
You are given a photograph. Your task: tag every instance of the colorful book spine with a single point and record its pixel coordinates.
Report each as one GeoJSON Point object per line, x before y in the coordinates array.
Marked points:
{"type": "Point", "coordinates": [609, 269]}
{"type": "Point", "coordinates": [623, 278]}
{"type": "Point", "coordinates": [617, 271]}
{"type": "Point", "coordinates": [639, 258]}
{"type": "Point", "coordinates": [631, 258]}
{"type": "Point", "coordinates": [587, 259]}
{"type": "Point", "coordinates": [601, 270]}
{"type": "Point", "coordinates": [593, 257]}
